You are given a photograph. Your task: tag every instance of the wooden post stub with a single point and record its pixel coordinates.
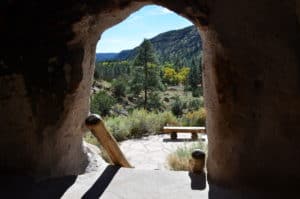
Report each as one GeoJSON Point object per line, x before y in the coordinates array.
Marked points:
{"type": "Point", "coordinates": [198, 154]}
{"type": "Point", "coordinates": [194, 136]}
{"type": "Point", "coordinates": [197, 162]}
{"type": "Point", "coordinates": [107, 141]}
{"type": "Point", "coordinates": [173, 135]}
{"type": "Point", "coordinates": [93, 119]}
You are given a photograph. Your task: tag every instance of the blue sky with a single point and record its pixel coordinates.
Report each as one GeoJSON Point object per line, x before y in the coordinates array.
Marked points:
{"type": "Point", "coordinates": [147, 22]}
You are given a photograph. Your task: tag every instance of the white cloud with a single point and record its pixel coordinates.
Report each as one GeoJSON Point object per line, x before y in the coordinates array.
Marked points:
{"type": "Point", "coordinates": [160, 11]}
{"type": "Point", "coordinates": [166, 11]}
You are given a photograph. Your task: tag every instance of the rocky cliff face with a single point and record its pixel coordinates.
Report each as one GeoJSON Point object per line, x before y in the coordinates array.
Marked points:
{"type": "Point", "coordinates": [251, 78]}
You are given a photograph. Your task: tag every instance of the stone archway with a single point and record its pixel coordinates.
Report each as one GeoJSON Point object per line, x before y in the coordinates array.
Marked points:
{"type": "Point", "coordinates": [251, 66]}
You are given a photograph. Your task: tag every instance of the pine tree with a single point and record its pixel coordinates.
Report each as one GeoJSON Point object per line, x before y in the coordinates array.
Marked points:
{"type": "Point", "coordinates": [195, 77]}
{"type": "Point", "coordinates": [146, 72]}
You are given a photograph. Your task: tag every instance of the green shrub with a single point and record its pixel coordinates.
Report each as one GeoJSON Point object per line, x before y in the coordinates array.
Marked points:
{"type": "Point", "coordinates": [187, 88]}
{"type": "Point", "coordinates": [194, 118]}
{"type": "Point", "coordinates": [154, 102]}
{"type": "Point", "coordinates": [179, 160]}
{"type": "Point", "coordinates": [101, 103]}
{"type": "Point", "coordinates": [96, 75]}
{"type": "Point", "coordinates": [168, 118]}
{"type": "Point", "coordinates": [139, 123]}
{"type": "Point", "coordinates": [117, 110]}
{"type": "Point", "coordinates": [144, 123]}
{"type": "Point", "coordinates": [195, 104]}
{"type": "Point", "coordinates": [177, 107]}
{"type": "Point", "coordinates": [119, 87]}
{"type": "Point", "coordinates": [119, 127]}
{"type": "Point", "coordinates": [196, 92]}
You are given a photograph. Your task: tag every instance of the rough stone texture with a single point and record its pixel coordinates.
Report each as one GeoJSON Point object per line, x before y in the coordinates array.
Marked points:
{"type": "Point", "coordinates": [95, 160]}
{"type": "Point", "coordinates": [46, 66]}
{"type": "Point", "coordinates": [251, 74]}
{"type": "Point", "coordinates": [252, 86]}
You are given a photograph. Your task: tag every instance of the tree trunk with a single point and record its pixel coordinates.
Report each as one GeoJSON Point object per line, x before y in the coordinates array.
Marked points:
{"type": "Point", "coordinates": [146, 98]}
{"type": "Point", "coordinates": [146, 81]}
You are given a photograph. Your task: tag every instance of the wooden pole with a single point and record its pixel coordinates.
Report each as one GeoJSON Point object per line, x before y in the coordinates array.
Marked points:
{"type": "Point", "coordinates": [197, 162]}
{"type": "Point", "coordinates": [96, 125]}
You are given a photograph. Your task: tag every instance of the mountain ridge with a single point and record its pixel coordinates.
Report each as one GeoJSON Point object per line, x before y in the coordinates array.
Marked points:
{"type": "Point", "coordinates": [181, 45]}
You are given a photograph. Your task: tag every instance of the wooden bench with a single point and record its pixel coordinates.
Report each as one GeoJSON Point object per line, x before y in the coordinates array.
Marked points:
{"type": "Point", "coordinates": [194, 130]}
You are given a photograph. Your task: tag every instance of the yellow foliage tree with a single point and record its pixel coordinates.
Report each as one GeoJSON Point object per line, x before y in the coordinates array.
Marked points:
{"type": "Point", "coordinates": [170, 75]}
{"type": "Point", "coordinates": [182, 75]}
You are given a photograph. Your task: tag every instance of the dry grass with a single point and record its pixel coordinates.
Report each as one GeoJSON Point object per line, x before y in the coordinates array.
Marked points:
{"type": "Point", "coordinates": [179, 160]}
{"type": "Point", "coordinates": [178, 164]}
{"type": "Point", "coordinates": [194, 118]}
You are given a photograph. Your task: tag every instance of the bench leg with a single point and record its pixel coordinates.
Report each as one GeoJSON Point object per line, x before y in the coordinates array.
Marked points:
{"type": "Point", "coordinates": [194, 136]}
{"type": "Point", "coordinates": [173, 136]}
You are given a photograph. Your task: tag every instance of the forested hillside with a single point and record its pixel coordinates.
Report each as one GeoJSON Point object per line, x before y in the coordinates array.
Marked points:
{"type": "Point", "coordinates": [180, 47]}
{"type": "Point", "coordinates": [105, 56]}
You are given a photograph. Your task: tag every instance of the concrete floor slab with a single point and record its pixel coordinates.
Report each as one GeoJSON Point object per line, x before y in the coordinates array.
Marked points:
{"type": "Point", "coordinates": [138, 184]}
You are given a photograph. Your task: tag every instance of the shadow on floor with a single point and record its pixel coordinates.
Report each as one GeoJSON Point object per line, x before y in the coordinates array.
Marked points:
{"type": "Point", "coordinates": [102, 183]}
{"type": "Point", "coordinates": [198, 181]}
{"type": "Point", "coordinates": [216, 192]}
{"type": "Point", "coordinates": [182, 140]}
{"type": "Point", "coordinates": [271, 190]}
{"type": "Point", "coordinates": [27, 187]}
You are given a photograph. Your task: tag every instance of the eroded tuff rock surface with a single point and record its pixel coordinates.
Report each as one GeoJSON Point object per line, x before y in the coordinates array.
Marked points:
{"type": "Point", "coordinates": [251, 78]}
{"type": "Point", "coordinates": [46, 66]}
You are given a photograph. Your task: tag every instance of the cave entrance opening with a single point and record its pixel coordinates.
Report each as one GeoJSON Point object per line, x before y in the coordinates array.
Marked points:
{"type": "Point", "coordinates": [137, 94]}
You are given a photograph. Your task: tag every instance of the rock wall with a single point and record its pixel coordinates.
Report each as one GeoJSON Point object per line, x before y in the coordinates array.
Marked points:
{"type": "Point", "coordinates": [44, 91]}
{"type": "Point", "coordinates": [252, 86]}
{"type": "Point", "coordinates": [251, 77]}
{"type": "Point", "coordinates": [46, 67]}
